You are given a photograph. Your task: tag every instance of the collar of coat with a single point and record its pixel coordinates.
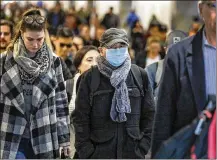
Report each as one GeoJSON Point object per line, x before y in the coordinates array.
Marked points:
{"type": "Point", "coordinates": [195, 67]}
{"type": "Point", "coordinates": [11, 87]}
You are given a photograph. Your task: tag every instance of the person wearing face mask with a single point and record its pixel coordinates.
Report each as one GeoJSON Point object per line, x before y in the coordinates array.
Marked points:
{"type": "Point", "coordinates": [33, 101]}
{"type": "Point", "coordinates": [113, 121]}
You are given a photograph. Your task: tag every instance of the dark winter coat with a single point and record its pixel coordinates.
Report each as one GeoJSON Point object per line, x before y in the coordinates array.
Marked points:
{"type": "Point", "coordinates": [182, 92]}
{"type": "Point", "coordinates": [97, 136]}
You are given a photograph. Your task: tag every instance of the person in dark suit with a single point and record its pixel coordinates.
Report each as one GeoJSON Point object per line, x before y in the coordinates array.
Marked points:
{"type": "Point", "coordinates": [189, 76]}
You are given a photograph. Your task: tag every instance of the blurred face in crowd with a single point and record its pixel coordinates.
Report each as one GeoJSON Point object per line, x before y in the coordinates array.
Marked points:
{"type": "Point", "coordinates": [57, 8]}
{"type": "Point", "coordinates": [154, 47]}
{"type": "Point", "coordinates": [33, 40]}
{"type": "Point", "coordinates": [88, 60]}
{"type": "Point", "coordinates": [70, 21]}
{"type": "Point", "coordinates": [208, 14]}
{"type": "Point", "coordinates": [5, 36]}
{"type": "Point", "coordinates": [99, 33]}
{"type": "Point", "coordinates": [154, 31]}
{"type": "Point", "coordinates": [78, 41]}
{"type": "Point", "coordinates": [85, 32]}
{"type": "Point", "coordinates": [138, 24]}
{"type": "Point", "coordinates": [63, 46]}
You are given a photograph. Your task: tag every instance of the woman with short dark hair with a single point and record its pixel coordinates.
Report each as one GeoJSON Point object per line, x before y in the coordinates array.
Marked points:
{"type": "Point", "coordinates": [33, 101]}
{"type": "Point", "coordinates": [84, 59]}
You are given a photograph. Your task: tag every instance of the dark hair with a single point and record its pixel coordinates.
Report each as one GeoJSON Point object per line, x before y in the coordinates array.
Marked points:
{"type": "Point", "coordinates": [23, 25]}
{"type": "Point", "coordinates": [10, 24]}
{"type": "Point", "coordinates": [64, 32]}
{"type": "Point", "coordinates": [81, 53]}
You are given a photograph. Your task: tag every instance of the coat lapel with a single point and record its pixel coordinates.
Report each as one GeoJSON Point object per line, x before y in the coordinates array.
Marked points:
{"type": "Point", "coordinates": [11, 84]}
{"type": "Point", "coordinates": [195, 66]}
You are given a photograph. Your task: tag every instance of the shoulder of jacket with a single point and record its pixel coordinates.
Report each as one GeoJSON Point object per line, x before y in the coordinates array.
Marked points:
{"type": "Point", "coordinates": [56, 60]}
{"type": "Point", "coordinates": [180, 49]}
{"type": "Point", "coordinates": [182, 45]}
{"type": "Point", "coordinates": [152, 67]}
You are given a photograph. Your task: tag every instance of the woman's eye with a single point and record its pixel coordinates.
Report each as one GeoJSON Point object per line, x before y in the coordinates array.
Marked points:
{"type": "Point", "coordinates": [89, 60]}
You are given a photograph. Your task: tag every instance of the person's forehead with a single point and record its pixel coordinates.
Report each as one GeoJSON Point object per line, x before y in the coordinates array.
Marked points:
{"type": "Point", "coordinates": [155, 43]}
{"type": "Point", "coordinates": [65, 39]}
{"type": "Point", "coordinates": [91, 53]}
{"type": "Point", "coordinates": [4, 28]}
{"type": "Point", "coordinates": [34, 34]}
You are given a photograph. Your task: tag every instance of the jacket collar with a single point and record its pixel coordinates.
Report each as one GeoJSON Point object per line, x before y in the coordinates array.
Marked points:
{"type": "Point", "coordinates": [11, 86]}
{"type": "Point", "coordinates": [196, 71]}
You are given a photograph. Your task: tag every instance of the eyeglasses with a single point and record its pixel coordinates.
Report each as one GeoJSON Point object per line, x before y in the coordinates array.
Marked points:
{"type": "Point", "coordinates": [32, 18]}
{"type": "Point", "coordinates": [68, 45]}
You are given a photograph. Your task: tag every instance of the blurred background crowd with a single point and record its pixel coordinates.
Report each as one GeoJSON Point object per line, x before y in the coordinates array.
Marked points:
{"type": "Point", "coordinates": [74, 24]}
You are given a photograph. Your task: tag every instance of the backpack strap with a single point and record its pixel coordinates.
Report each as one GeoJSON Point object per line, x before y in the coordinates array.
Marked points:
{"type": "Point", "coordinates": [138, 77]}
{"type": "Point", "coordinates": [95, 80]}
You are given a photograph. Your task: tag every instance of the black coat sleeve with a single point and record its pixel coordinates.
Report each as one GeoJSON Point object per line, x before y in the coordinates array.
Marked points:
{"type": "Point", "coordinates": [81, 119]}
{"type": "Point", "coordinates": [147, 113]}
{"type": "Point", "coordinates": [166, 104]}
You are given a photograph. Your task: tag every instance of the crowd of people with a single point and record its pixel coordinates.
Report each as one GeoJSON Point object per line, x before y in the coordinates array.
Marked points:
{"type": "Point", "coordinates": [77, 86]}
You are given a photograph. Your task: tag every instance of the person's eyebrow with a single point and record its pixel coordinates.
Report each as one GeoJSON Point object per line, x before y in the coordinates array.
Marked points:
{"type": "Point", "coordinates": [36, 39]}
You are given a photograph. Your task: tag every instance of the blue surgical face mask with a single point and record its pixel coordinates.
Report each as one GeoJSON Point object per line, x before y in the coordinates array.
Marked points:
{"type": "Point", "coordinates": [116, 57]}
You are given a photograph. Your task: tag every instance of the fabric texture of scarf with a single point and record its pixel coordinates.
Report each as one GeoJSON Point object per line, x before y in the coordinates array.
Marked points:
{"type": "Point", "coordinates": [120, 101]}
{"type": "Point", "coordinates": [31, 68]}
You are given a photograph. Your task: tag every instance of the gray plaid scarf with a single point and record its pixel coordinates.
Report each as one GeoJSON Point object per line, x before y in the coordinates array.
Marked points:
{"type": "Point", "coordinates": [120, 101]}
{"type": "Point", "coordinates": [29, 68]}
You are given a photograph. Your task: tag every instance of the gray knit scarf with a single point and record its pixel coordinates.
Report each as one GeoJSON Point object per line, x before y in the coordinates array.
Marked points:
{"type": "Point", "coordinates": [29, 68]}
{"type": "Point", "coordinates": [120, 101]}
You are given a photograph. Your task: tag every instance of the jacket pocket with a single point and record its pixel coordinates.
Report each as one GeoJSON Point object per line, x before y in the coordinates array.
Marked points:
{"type": "Point", "coordinates": [102, 103]}
{"type": "Point", "coordinates": [135, 100]}
{"type": "Point", "coordinates": [104, 149]}
{"type": "Point", "coordinates": [102, 135]}
{"type": "Point", "coordinates": [132, 146]}
{"type": "Point", "coordinates": [133, 118]}
{"type": "Point", "coordinates": [134, 133]}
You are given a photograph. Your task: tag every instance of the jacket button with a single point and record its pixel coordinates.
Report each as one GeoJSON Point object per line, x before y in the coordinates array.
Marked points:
{"type": "Point", "coordinates": [51, 111]}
